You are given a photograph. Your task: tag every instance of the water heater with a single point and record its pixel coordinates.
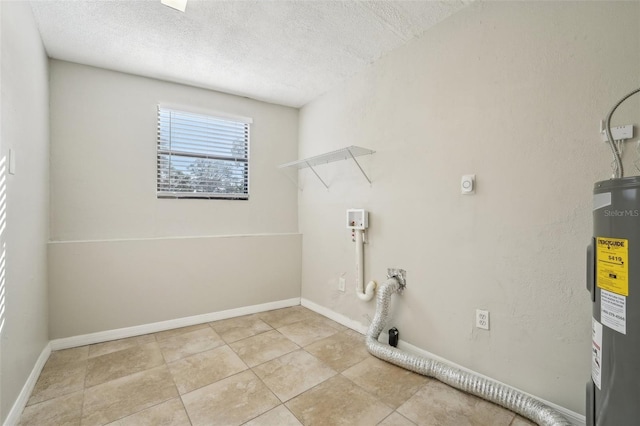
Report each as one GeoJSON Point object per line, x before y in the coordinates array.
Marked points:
{"type": "Point", "coordinates": [613, 280]}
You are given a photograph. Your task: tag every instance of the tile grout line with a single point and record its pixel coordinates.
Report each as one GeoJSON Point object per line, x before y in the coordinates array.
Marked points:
{"type": "Point", "coordinates": [208, 384]}
{"type": "Point", "coordinates": [226, 344]}
{"type": "Point", "coordinates": [166, 364]}
{"type": "Point", "coordinates": [84, 386]}
{"type": "Point", "coordinates": [300, 348]}
{"type": "Point", "coordinates": [147, 369]}
{"type": "Point", "coordinates": [269, 389]}
{"type": "Point", "coordinates": [254, 373]}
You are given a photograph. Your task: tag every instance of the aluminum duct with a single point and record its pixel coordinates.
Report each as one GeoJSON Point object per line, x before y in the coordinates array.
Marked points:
{"type": "Point", "coordinates": [497, 393]}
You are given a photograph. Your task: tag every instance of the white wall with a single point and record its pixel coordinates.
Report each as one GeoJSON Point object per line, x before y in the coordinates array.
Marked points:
{"type": "Point", "coordinates": [103, 158]}
{"type": "Point", "coordinates": [106, 285]}
{"type": "Point", "coordinates": [129, 258]}
{"type": "Point", "coordinates": [509, 91]}
{"type": "Point", "coordinates": [24, 125]}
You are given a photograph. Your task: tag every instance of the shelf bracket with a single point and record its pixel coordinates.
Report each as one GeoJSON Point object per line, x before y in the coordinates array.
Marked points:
{"type": "Point", "coordinates": [317, 175]}
{"type": "Point", "coordinates": [358, 164]}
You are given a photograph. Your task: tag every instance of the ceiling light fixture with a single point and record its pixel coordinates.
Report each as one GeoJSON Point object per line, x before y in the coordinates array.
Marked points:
{"type": "Point", "coordinates": [180, 5]}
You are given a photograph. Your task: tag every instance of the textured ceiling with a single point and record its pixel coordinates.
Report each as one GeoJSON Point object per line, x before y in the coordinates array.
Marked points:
{"type": "Point", "coordinates": [285, 52]}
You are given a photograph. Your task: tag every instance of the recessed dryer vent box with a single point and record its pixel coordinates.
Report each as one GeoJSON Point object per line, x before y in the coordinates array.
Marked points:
{"type": "Point", "coordinates": [357, 219]}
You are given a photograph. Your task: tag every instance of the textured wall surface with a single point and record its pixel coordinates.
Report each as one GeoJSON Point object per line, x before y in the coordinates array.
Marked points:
{"type": "Point", "coordinates": [121, 257]}
{"type": "Point", "coordinates": [24, 199]}
{"type": "Point", "coordinates": [509, 91]}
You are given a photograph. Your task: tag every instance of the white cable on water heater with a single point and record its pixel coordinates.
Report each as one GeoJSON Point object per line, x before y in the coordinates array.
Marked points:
{"type": "Point", "coordinates": [618, 171]}
{"type": "Point", "coordinates": [363, 294]}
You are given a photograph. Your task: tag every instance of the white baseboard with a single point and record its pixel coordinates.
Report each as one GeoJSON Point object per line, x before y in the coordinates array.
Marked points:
{"type": "Point", "coordinates": [121, 333]}
{"type": "Point", "coordinates": [575, 418]}
{"type": "Point", "coordinates": [339, 318]}
{"type": "Point", "coordinates": [23, 397]}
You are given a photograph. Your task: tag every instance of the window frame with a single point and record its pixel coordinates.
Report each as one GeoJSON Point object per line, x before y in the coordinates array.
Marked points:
{"type": "Point", "coordinates": [162, 151]}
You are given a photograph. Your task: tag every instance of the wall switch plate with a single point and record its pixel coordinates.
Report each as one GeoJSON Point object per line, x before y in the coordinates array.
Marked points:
{"type": "Point", "coordinates": [342, 284]}
{"type": "Point", "coordinates": [482, 319]}
{"type": "Point", "coordinates": [12, 162]}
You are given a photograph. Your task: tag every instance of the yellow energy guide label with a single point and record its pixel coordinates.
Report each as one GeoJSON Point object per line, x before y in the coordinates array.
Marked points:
{"type": "Point", "coordinates": [612, 255]}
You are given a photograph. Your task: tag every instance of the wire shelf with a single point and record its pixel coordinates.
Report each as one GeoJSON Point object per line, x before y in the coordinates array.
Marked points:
{"type": "Point", "coordinates": [350, 152]}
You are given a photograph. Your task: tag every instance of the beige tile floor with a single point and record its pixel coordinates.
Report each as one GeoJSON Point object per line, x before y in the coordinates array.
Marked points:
{"type": "Point", "coordinates": [278, 368]}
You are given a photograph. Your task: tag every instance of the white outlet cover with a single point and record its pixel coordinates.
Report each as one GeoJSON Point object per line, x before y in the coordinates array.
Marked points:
{"type": "Point", "coordinates": [482, 319]}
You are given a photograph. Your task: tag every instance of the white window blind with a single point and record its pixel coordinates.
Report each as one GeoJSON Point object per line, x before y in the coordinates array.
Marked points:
{"type": "Point", "coordinates": [201, 156]}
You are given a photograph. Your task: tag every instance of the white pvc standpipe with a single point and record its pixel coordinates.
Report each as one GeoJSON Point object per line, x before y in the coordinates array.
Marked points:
{"type": "Point", "coordinates": [363, 294]}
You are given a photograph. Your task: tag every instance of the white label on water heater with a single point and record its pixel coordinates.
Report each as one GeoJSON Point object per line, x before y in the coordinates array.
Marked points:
{"type": "Point", "coordinates": [601, 200]}
{"type": "Point", "coordinates": [596, 351]}
{"type": "Point", "coordinates": [613, 311]}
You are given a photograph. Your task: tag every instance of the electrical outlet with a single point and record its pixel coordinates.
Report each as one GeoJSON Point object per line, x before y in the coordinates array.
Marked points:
{"type": "Point", "coordinates": [482, 319]}
{"type": "Point", "coordinates": [341, 283]}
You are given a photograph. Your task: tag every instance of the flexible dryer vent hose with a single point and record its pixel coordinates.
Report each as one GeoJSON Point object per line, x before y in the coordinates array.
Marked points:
{"type": "Point", "coordinates": [497, 393]}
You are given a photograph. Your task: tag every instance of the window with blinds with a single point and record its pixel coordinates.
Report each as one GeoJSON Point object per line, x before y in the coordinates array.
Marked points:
{"type": "Point", "coordinates": [202, 156]}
